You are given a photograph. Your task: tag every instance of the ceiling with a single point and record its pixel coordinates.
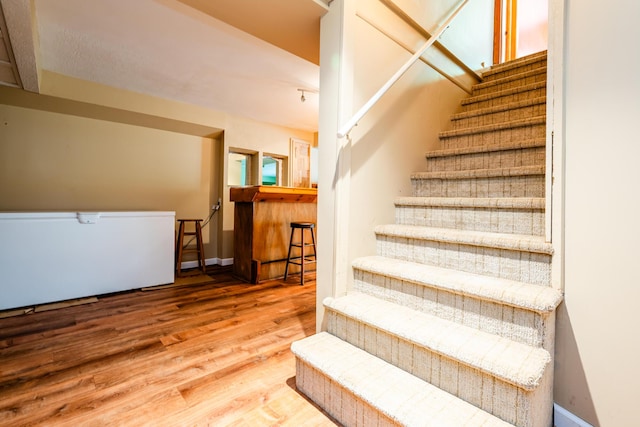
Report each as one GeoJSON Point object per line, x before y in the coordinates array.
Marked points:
{"type": "Point", "coordinates": [243, 57]}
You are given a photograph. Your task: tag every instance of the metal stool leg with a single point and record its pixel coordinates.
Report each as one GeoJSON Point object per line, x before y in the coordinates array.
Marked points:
{"type": "Point", "coordinates": [313, 240]}
{"type": "Point", "coordinates": [302, 257]}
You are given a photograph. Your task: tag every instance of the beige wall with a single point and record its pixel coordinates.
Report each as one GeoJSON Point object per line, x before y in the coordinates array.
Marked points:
{"type": "Point", "coordinates": [85, 146]}
{"type": "Point", "coordinates": [52, 161]}
{"type": "Point", "coordinates": [140, 109]}
{"type": "Point", "coordinates": [597, 343]}
{"type": "Point", "coordinates": [56, 161]}
{"type": "Point", "coordinates": [361, 176]}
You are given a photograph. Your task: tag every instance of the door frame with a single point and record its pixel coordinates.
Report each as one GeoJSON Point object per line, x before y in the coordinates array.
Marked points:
{"type": "Point", "coordinates": [505, 31]}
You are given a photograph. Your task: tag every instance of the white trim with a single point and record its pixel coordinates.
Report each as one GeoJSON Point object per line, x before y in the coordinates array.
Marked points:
{"type": "Point", "coordinates": [555, 165]}
{"type": "Point", "coordinates": [208, 261]}
{"type": "Point", "coordinates": [564, 418]}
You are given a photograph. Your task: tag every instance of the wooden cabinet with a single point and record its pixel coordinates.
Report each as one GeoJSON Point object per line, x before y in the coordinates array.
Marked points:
{"type": "Point", "coordinates": [262, 217]}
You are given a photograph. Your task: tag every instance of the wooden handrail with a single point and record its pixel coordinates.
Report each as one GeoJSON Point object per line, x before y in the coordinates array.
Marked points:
{"type": "Point", "coordinates": [351, 123]}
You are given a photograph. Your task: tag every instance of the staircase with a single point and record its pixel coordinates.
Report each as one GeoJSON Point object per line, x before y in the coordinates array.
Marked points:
{"type": "Point", "coordinates": [453, 322]}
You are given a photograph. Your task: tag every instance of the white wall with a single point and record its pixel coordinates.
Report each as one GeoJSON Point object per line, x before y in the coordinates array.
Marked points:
{"type": "Point", "coordinates": [597, 343]}
{"type": "Point", "coordinates": [360, 176]}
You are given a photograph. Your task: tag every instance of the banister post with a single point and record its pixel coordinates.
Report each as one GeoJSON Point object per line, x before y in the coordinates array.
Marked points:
{"type": "Point", "coordinates": [337, 29]}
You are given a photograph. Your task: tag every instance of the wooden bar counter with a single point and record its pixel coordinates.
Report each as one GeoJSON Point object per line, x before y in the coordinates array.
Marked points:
{"type": "Point", "coordinates": [261, 232]}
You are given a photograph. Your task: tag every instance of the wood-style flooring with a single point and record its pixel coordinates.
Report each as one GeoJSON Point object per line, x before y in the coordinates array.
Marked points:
{"type": "Point", "coordinates": [214, 353]}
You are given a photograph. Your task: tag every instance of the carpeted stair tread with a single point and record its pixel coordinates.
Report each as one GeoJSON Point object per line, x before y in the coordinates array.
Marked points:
{"type": "Point", "coordinates": [540, 57]}
{"type": "Point", "coordinates": [512, 124]}
{"type": "Point", "coordinates": [514, 242]}
{"type": "Point", "coordinates": [403, 397]}
{"type": "Point", "coordinates": [540, 299]}
{"type": "Point", "coordinates": [481, 173]}
{"type": "Point", "coordinates": [489, 148]}
{"type": "Point", "coordinates": [500, 108]}
{"type": "Point", "coordinates": [518, 364]}
{"type": "Point", "coordinates": [536, 203]}
{"type": "Point", "coordinates": [501, 93]}
{"type": "Point", "coordinates": [528, 74]}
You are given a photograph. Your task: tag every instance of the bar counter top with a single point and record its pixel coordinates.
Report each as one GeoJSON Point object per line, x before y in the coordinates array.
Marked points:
{"type": "Point", "coordinates": [266, 193]}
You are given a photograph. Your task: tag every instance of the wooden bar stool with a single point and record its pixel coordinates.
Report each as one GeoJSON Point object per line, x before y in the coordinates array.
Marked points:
{"type": "Point", "coordinates": [303, 259]}
{"type": "Point", "coordinates": [180, 249]}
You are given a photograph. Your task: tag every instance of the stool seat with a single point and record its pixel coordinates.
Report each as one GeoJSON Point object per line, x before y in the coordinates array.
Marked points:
{"type": "Point", "coordinates": [303, 259]}
{"type": "Point", "coordinates": [302, 225]}
{"type": "Point", "coordinates": [180, 248]}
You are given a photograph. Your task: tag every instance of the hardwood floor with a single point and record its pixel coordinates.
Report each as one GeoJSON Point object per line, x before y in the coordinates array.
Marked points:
{"type": "Point", "coordinates": [213, 353]}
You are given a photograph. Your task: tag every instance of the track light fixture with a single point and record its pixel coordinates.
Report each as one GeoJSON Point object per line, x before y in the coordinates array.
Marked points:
{"type": "Point", "coordinates": [302, 97]}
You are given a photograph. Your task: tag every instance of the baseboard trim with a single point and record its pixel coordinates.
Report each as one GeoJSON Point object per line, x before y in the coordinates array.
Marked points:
{"type": "Point", "coordinates": [208, 261]}
{"type": "Point", "coordinates": [564, 418]}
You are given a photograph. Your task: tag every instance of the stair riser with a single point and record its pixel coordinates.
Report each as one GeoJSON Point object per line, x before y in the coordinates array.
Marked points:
{"type": "Point", "coordinates": [504, 100]}
{"type": "Point", "coordinates": [511, 186]}
{"type": "Point", "coordinates": [512, 221]}
{"type": "Point", "coordinates": [488, 160]}
{"type": "Point", "coordinates": [478, 388]}
{"type": "Point", "coordinates": [516, 70]}
{"type": "Point", "coordinates": [498, 86]}
{"type": "Point", "coordinates": [340, 403]}
{"type": "Point", "coordinates": [516, 324]}
{"type": "Point", "coordinates": [522, 133]}
{"type": "Point", "coordinates": [515, 113]}
{"type": "Point", "coordinates": [526, 267]}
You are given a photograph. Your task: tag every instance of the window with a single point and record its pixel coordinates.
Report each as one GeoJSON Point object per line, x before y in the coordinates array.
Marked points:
{"type": "Point", "coordinates": [272, 167]}
{"type": "Point", "coordinates": [240, 168]}
{"type": "Point", "coordinates": [245, 167]}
